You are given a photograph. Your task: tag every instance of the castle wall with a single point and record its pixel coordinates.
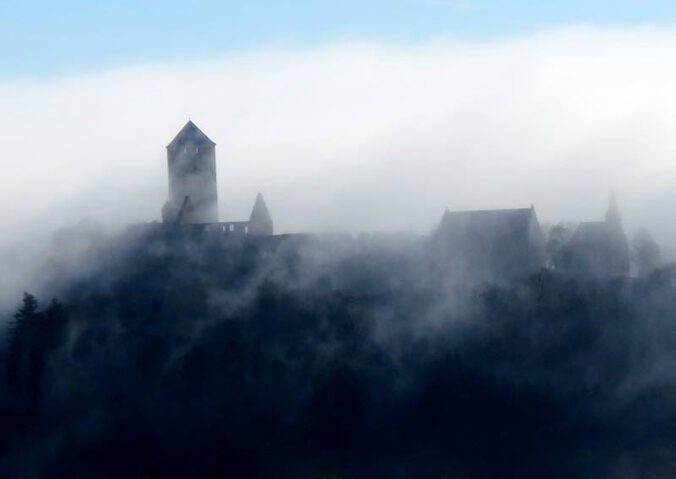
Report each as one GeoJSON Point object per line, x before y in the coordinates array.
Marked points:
{"type": "Point", "coordinates": [192, 173]}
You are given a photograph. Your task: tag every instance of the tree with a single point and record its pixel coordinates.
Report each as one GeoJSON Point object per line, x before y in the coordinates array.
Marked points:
{"type": "Point", "coordinates": [55, 324]}
{"type": "Point", "coordinates": [28, 308]}
{"type": "Point", "coordinates": [19, 344]}
{"type": "Point", "coordinates": [33, 335]}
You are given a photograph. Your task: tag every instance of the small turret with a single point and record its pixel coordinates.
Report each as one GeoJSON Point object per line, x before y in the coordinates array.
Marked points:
{"type": "Point", "coordinates": [260, 221]}
{"type": "Point", "coordinates": [613, 216]}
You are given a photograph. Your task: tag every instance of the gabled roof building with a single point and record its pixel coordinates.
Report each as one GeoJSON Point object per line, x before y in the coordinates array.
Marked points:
{"type": "Point", "coordinates": [490, 244]}
{"type": "Point", "coordinates": [597, 248]}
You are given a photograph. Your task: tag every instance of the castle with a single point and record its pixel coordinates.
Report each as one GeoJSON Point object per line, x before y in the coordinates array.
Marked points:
{"type": "Point", "coordinates": [481, 244]}
{"type": "Point", "coordinates": [193, 188]}
{"type": "Point", "coordinates": [509, 243]}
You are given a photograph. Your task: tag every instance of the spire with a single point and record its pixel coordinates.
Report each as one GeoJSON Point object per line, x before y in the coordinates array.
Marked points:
{"type": "Point", "coordinates": [190, 134]}
{"type": "Point", "coordinates": [260, 221]}
{"type": "Point", "coordinates": [613, 216]}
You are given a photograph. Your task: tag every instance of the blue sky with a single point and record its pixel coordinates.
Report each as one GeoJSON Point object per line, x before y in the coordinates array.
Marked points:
{"type": "Point", "coordinates": [53, 37]}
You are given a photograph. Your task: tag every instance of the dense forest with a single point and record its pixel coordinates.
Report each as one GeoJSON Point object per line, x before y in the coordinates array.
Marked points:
{"type": "Point", "coordinates": [306, 357]}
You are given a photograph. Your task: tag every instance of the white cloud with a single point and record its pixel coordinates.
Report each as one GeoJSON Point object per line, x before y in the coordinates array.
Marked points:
{"type": "Point", "coordinates": [360, 136]}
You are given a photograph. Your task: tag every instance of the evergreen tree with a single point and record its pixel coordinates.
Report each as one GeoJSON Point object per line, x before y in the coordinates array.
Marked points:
{"type": "Point", "coordinates": [55, 324]}
{"type": "Point", "coordinates": [19, 339]}
{"type": "Point", "coordinates": [33, 335]}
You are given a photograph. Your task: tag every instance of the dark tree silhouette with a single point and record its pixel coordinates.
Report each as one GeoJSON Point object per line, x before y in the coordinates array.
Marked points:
{"type": "Point", "coordinates": [257, 359]}
{"type": "Point", "coordinates": [32, 335]}
{"type": "Point", "coordinates": [16, 366]}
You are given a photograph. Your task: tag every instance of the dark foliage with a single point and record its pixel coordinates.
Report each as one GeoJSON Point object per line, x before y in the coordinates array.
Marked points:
{"type": "Point", "coordinates": [303, 358]}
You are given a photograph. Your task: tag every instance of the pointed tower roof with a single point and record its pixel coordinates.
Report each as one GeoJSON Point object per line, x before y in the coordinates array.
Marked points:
{"type": "Point", "coordinates": [260, 210]}
{"type": "Point", "coordinates": [613, 214]}
{"type": "Point", "coordinates": [190, 134]}
{"type": "Point", "coordinates": [260, 221]}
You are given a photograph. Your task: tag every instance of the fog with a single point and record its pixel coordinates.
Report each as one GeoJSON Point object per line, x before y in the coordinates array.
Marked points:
{"type": "Point", "coordinates": [356, 136]}
{"type": "Point", "coordinates": [323, 356]}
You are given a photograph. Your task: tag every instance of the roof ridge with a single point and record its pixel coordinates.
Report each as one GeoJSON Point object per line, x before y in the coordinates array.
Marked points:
{"type": "Point", "coordinates": [498, 210]}
{"type": "Point", "coordinates": [187, 128]}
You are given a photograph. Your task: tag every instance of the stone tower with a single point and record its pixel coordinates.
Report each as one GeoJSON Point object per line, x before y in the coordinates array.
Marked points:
{"type": "Point", "coordinates": [193, 195]}
{"type": "Point", "coordinates": [260, 221]}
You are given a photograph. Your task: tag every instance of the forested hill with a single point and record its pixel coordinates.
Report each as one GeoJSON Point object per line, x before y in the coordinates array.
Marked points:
{"type": "Point", "coordinates": [304, 358]}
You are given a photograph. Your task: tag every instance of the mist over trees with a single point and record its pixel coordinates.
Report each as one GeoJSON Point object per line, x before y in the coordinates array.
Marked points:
{"type": "Point", "coordinates": [646, 253]}
{"type": "Point", "coordinates": [302, 356]}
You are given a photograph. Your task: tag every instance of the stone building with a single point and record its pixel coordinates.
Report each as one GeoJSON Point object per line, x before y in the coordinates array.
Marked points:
{"type": "Point", "coordinates": [260, 221]}
{"type": "Point", "coordinates": [596, 248]}
{"type": "Point", "coordinates": [490, 244]}
{"type": "Point", "coordinates": [193, 189]}
{"type": "Point", "coordinates": [193, 192]}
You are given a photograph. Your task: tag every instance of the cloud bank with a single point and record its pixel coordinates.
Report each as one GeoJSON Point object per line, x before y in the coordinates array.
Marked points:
{"type": "Point", "coordinates": [359, 136]}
